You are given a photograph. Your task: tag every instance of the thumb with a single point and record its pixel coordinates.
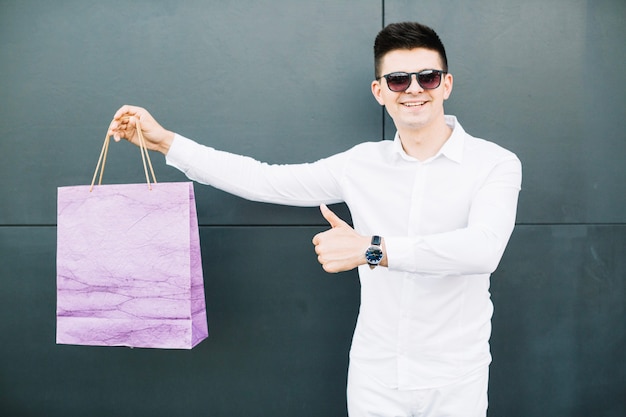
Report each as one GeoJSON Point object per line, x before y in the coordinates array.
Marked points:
{"type": "Point", "coordinates": [331, 217]}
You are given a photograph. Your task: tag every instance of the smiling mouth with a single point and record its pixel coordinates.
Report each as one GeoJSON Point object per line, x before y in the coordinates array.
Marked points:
{"type": "Point", "coordinates": [414, 104]}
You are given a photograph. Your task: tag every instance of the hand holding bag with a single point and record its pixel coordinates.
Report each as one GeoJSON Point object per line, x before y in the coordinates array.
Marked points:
{"type": "Point", "coordinates": [129, 270]}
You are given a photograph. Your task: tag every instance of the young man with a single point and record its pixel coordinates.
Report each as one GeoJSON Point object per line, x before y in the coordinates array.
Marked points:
{"type": "Point", "coordinates": [425, 239]}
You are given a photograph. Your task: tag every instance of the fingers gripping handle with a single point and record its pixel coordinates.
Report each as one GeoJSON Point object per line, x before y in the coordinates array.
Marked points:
{"type": "Point", "coordinates": [145, 158]}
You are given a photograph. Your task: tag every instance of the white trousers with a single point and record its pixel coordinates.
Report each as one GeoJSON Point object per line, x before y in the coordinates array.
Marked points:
{"type": "Point", "coordinates": [464, 398]}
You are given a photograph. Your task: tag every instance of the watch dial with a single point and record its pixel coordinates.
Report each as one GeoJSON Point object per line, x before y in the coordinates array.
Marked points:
{"type": "Point", "coordinates": [374, 255]}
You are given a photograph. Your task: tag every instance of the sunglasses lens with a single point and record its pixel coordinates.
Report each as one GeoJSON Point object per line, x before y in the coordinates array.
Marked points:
{"type": "Point", "coordinates": [429, 79]}
{"type": "Point", "coordinates": [398, 81]}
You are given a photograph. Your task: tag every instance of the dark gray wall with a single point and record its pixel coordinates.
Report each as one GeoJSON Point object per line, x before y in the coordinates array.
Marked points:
{"type": "Point", "coordinates": [287, 81]}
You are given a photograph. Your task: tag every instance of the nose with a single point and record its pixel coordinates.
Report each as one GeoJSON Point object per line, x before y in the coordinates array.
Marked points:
{"type": "Point", "coordinates": [414, 86]}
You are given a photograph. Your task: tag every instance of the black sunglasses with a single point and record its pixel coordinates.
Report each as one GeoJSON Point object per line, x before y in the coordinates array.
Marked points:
{"type": "Point", "coordinates": [400, 81]}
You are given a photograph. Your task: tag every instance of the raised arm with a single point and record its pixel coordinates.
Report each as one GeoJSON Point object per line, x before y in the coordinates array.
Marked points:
{"type": "Point", "coordinates": [474, 249]}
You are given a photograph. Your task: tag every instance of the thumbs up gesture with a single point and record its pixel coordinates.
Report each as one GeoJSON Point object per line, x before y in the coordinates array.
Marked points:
{"type": "Point", "coordinates": [340, 248]}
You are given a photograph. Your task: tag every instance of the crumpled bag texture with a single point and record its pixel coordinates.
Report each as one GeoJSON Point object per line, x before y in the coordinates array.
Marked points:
{"type": "Point", "coordinates": [129, 269]}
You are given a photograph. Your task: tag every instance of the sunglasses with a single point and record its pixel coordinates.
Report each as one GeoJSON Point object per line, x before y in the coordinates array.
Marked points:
{"type": "Point", "coordinates": [401, 81]}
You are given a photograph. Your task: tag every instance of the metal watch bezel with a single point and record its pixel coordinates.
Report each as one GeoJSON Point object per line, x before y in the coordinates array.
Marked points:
{"type": "Point", "coordinates": [374, 253]}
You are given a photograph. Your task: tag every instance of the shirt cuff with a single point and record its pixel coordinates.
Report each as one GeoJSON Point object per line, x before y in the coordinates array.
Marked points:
{"type": "Point", "coordinates": [399, 253]}
{"type": "Point", "coordinates": [178, 154]}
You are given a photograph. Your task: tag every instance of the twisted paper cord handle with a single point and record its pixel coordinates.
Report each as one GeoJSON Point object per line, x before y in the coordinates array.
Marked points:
{"type": "Point", "coordinates": [145, 156]}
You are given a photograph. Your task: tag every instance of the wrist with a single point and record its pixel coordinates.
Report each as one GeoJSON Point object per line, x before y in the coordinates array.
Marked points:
{"type": "Point", "coordinates": [165, 144]}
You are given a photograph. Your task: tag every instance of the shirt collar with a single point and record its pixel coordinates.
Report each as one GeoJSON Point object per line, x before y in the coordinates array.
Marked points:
{"type": "Point", "coordinates": [452, 149]}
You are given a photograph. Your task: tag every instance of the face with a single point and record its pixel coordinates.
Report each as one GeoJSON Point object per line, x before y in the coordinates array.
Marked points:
{"type": "Point", "coordinates": [415, 109]}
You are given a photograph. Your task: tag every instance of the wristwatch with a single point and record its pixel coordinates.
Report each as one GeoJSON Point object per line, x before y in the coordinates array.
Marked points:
{"type": "Point", "coordinates": [374, 254]}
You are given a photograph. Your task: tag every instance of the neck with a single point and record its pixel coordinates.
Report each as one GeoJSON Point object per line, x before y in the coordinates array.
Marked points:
{"type": "Point", "coordinates": [424, 143]}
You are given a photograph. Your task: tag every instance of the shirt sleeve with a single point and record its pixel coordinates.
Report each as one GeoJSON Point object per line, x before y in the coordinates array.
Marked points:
{"type": "Point", "coordinates": [475, 249]}
{"type": "Point", "coordinates": [304, 185]}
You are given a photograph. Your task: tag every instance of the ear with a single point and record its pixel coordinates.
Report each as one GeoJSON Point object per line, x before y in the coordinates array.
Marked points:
{"type": "Point", "coordinates": [447, 86]}
{"type": "Point", "coordinates": [377, 92]}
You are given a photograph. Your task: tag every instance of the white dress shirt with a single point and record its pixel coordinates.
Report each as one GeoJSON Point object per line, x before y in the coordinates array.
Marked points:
{"type": "Point", "coordinates": [425, 320]}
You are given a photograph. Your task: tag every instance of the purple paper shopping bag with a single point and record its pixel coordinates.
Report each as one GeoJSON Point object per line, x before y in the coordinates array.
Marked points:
{"type": "Point", "coordinates": [129, 271]}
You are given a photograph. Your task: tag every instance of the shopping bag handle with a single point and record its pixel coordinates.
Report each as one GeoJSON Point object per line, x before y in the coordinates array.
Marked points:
{"type": "Point", "coordinates": [144, 157]}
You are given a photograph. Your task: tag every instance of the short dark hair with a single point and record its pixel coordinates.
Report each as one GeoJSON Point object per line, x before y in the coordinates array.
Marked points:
{"type": "Point", "coordinates": [406, 35]}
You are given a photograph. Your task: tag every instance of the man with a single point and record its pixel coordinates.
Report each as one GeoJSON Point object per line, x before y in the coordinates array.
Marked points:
{"type": "Point", "coordinates": [432, 210]}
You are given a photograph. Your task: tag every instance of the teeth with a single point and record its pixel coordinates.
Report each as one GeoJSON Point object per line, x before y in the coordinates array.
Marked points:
{"type": "Point", "coordinates": [413, 104]}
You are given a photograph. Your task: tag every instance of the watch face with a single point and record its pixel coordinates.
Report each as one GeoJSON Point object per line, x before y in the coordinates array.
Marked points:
{"type": "Point", "coordinates": [373, 255]}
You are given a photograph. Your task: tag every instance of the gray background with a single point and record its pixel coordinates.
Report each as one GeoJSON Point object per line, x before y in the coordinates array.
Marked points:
{"type": "Point", "coordinates": [288, 81]}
